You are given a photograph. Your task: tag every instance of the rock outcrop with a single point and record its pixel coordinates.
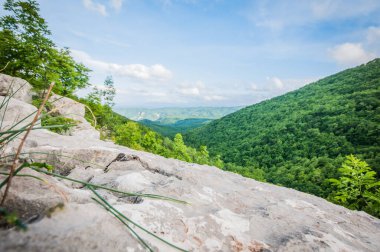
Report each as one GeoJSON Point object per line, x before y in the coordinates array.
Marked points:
{"type": "Point", "coordinates": [74, 110]}
{"type": "Point", "coordinates": [17, 88]}
{"type": "Point", "coordinates": [227, 212]}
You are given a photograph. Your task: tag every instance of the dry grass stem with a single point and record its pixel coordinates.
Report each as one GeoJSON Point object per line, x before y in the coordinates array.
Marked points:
{"type": "Point", "coordinates": [15, 161]}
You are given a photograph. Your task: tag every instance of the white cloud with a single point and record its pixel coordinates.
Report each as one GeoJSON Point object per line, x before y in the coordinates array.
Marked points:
{"type": "Point", "coordinates": [275, 82]}
{"type": "Point", "coordinates": [350, 54]}
{"type": "Point", "coordinates": [194, 89]}
{"type": "Point", "coordinates": [198, 92]}
{"type": "Point", "coordinates": [137, 71]}
{"type": "Point", "coordinates": [274, 86]}
{"type": "Point", "coordinates": [116, 4]}
{"type": "Point", "coordinates": [96, 7]}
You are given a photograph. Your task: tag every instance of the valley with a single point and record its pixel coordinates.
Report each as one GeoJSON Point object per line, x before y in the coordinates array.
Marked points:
{"type": "Point", "coordinates": [169, 121]}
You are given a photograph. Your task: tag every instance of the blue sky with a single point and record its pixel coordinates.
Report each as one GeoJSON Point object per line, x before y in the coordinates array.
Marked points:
{"type": "Point", "coordinates": [165, 53]}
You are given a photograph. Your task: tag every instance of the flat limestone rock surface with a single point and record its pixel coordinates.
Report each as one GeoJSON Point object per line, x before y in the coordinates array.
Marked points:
{"type": "Point", "coordinates": [227, 212]}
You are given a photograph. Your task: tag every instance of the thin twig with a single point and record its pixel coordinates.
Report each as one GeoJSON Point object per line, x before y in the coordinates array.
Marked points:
{"type": "Point", "coordinates": [93, 116]}
{"type": "Point", "coordinates": [5, 66]}
{"type": "Point", "coordinates": [15, 161]}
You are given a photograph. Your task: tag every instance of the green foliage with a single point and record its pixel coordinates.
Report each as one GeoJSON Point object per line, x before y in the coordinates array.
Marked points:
{"type": "Point", "coordinates": [37, 101]}
{"type": "Point", "coordinates": [300, 138]}
{"type": "Point", "coordinates": [180, 149]}
{"type": "Point", "coordinates": [106, 94]}
{"type": "Point", "coordinates": [138, 137]}
{"type": "Point", "coordinates": [11, 219]}
{"type": "Point", "coordinates": [134, 135]}
{"type": "Point", "coordinates": [129, 134]}
{"type": "Point", "coordinates": [254, 173]}
{"type": "Point", "coordinates": [170, 129]}
{"type": "Point", "coordinates": [27, 51]}
{"type": "Point", "coordinates": [106, 119]}
{"type": "Point", "coordinates": [357, 187]}
{"type": "Point", "coordinates": [65, 123]}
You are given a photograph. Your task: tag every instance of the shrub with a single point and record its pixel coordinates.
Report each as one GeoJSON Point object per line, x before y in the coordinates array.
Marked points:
{"type": "Point", "coordinates": [357, 188]}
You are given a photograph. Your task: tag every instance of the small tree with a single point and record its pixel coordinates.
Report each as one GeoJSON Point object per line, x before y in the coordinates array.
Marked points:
{"type": "Point", "coordinates": [109, 91]}
{"type": "Point", "coordinates": [357, 188]}
{"type": "Point", "coordinates": [104, 94]}
{"type": "Point", "coordinates": [180, 149]}
{"type": "Point", "coordinates": [129, 134]}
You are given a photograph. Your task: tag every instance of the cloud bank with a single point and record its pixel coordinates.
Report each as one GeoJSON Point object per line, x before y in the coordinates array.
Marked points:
{"type": "Point", "coordinates": [155, 72]}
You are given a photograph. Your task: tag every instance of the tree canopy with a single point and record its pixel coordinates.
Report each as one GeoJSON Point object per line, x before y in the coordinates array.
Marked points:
{"type": "Point", "coordinates": [26, 51]}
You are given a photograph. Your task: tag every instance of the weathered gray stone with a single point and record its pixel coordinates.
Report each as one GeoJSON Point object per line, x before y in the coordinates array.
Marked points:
{"type": "Point", "coordinates": [67, 107]}
{"type": "Point", "coordinates": [20, 88]}
{"type": "Point", "coordinates": [227, 212]}
{"type": "Point", "coordinates": [32, 199]}
{"type": "Point", "coordinates": [15, 112]}
{"type": "Point", "coordinates": [15, 115]}
{"type": "Point", "coordinates": [74, 110]}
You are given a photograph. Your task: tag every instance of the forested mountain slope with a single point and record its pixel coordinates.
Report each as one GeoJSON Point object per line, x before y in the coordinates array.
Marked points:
{"type": "Point", "coordinates": [299, 138]}
{"type": "Point", "coordinates": [170, 129]}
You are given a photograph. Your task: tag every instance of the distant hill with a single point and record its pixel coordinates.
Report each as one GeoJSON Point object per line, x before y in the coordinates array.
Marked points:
{"type": "Point", "coordinates": [170, 129]}
{"type": "Point", "coordinates": [172, 115]}
{"type": "Point", "coordinates": [299, 138]}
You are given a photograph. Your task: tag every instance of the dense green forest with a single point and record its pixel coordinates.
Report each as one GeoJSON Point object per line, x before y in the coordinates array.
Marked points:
{"type": "Point", "coordinates": [26, 51]}
{"type": "Point", "coordinates": [170, 129]}
{"type": "Point", "coordinates": [299, 139]}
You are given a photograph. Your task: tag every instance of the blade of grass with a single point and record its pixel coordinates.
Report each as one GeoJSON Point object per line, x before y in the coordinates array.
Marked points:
{"type": "Point", "coordinates": [57, 154]}
{"type": "Point", "coordinates": [15, 173]}
{"type": "Point", "coordinates": [13, 167]}
{"type": "Point", "coordinates": [42, 116]}
{"type": "Point", "coordinates": [134, 223]}
{"type": "Point", "coordinates": [153, 196]}
{"type": "Point", "coordinates": [34, 128]}
{"type": "Point", "coordinates": [93, 116]}
{"type": "Point", "coordinates": [10, 138]}
{"type": "Point", "coordinates": [23, 175]}
{"type": "Point", "coordinates": [122, 221]}
{"type": "Point", "coordinates": [7, 99]}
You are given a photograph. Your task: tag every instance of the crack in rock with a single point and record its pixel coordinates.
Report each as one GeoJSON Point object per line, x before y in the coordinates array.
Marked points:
{"type": "Point", "coordinates": [121, 157]}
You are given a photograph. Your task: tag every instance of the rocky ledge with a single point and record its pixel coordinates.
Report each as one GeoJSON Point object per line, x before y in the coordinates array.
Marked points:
{"type": "Point", "coordinates": [227, 212]}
